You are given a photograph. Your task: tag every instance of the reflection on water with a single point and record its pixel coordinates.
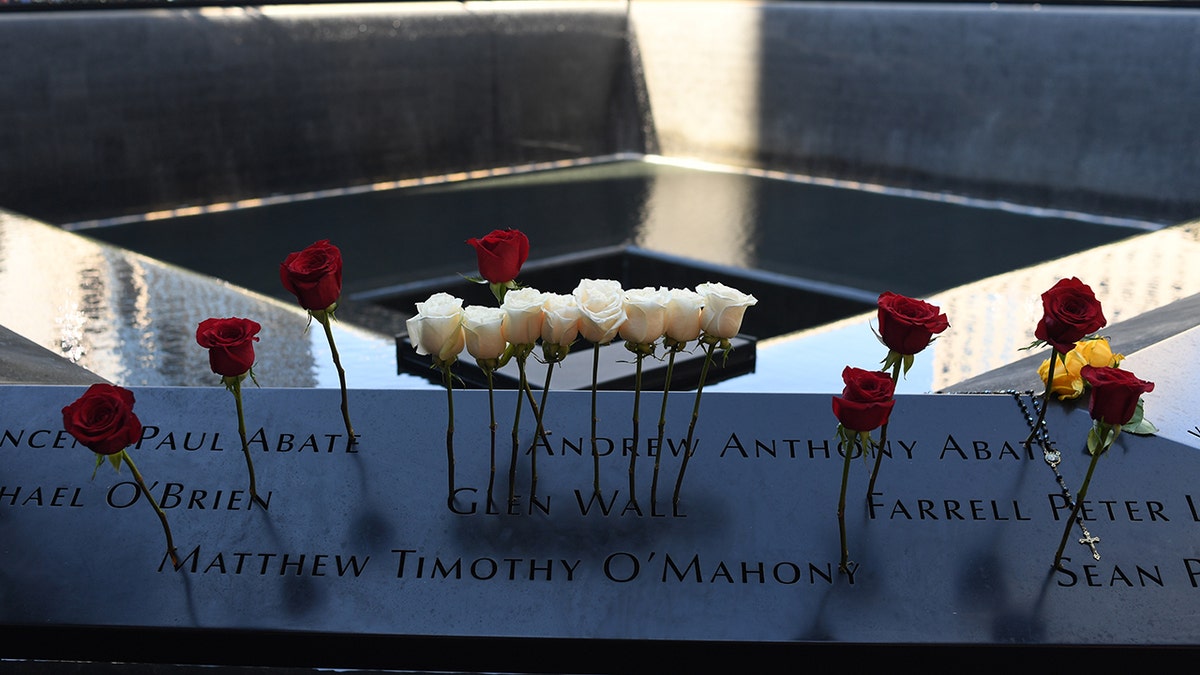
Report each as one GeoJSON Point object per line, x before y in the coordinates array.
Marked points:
{"type": "Point", "coordinates": [700, 215]}
{"type": "Point", "coordinates": [990, 320]}
{"type": "Point", "coordinates": [131, 318]}
{"type": "Point", "coordinates": [864, 240]}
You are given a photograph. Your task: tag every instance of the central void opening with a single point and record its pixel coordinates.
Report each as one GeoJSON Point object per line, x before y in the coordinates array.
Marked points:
{"type": "Point", "coordinates": [811, 252]}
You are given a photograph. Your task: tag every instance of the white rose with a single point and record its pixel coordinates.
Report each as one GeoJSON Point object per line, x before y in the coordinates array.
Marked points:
{"type": "Point", "coordinates": [724, 308]}
{"type": "Point", "coordinates": [683, 314]}
{"type": "Point", "coordinates": [523, 315]}
{"type": "Point", "coordinates": [646, 315]}
{"type": "Point", "coordinates": [562, 319]}
{"type": "Point", "coordinates": [602, 309]}
{"type": "Point", "coordinates": [484, 327]}
{"type": "Point", "coordinates": [437, 329]}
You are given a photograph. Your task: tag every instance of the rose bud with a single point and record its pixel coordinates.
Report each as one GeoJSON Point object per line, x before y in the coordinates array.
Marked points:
{"type": "Point", "coordinates": [103, 419]}
{"type": "Point", "coordinates": [1115, 393]}
{"type": "Point", "coordinates": [501, 254]}
{"type": "Point", "coordinates": [484, 331]}
{"type": "Point", "coordinates": [230, 344]}
{"type": "Point", "coordinates": [437, 328]}
{"type": "Point", "coordinates": [866, 401]}
{"type": "Point", "coordinates": [724, 308]}
{"type": "Point", "coordinates": [684, 307]}
{"type": "Point", "coordinates": [561, 324]}
{"type": "Point", "coordinates": [646, 315]}
{"type": "Point", "coordinates": [907, 325]}
{"type": "Point", "coordinates": [524, 315]}
{"type": "Point", "coordinates": [314, 275]}
{"type": "Point", "coordinates": [602, 309]}
{"type": "Point", "coordinates": [1070, 313]}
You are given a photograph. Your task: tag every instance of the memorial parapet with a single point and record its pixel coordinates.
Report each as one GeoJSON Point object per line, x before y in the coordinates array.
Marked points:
{"type": "Point", "coordinates": [359, 561]}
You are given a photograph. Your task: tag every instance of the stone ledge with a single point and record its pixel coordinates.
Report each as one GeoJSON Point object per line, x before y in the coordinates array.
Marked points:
{"type": "Point", "coordinates": [23, 361]}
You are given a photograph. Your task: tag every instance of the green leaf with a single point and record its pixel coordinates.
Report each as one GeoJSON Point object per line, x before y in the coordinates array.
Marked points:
{"type": "Point", "coordinates": [1101, 437]}
{"type": "Point", "coordinates": [1093, 440]}
{"type": "Point", "coordinates": [1138, 424]}
{"type": "Point", "coordinates": [1143, 428]}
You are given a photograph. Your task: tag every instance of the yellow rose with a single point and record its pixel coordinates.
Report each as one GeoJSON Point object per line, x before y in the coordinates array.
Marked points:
{"type": "Point", "coordinates": [1068, 383]}
{"type": "Point", "coordinates": [1096, 353]}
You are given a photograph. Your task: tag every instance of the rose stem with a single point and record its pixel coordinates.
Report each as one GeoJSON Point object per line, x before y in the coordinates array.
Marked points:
{"type": "Point", "coordinates": [1075, 510]}
{"type": "Point", "coordinates": [492, 426]}
{"type": "Point", "coordinates": [337, 362]}
{"type": "Point", "coordinates": [687, 446]}
{"type": "Point", "coordinates": [448, 380]}
{"type": "Point", "coordinates": [236, 388]}
{"type": "Point", "coordinates": [844, 565]}
{"type": "Point", "coordinates": [541, 432]}
{"type": "Point", "coordinates": [637, 395]}
{"type": "Point", "coordinates": [162, 517]}
{"type": "Point", "coordinates": [512, 465]}
{"type": "Point", "coordinates": [662, 423]}
{"type": "Point", "coordinates": [1045, 396]}
{"type": "Point", "coordinates": [882, 438]}
{"type": "Point", "coordinates": [595, 451]}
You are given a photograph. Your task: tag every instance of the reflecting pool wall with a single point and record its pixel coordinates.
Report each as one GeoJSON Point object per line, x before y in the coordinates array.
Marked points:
{"type": "Point", "coordinates": [123, 111]}
{"type": "Point", "coordinates": [1083, 108]}
{"type": "Point", "coordinates": [1077, 108]}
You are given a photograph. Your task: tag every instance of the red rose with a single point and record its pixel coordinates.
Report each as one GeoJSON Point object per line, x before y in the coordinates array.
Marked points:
{"type": "Point", "coordinates": [1071, 312]}
{"type": "Point", "coordinates": [1115, 393]}
{"type": "Point", "coordinates": [314, 275]}
{"type": "Point", "coordinates": [230, 344]}
{"type": "Point", "coordinates": [103, 420]}
{"type": "Point", "coordinates": [866, 401]}
{"type": "Point", "coordinates": [501, 254]}
{"type": "Point", "coordinates": [907, 325]}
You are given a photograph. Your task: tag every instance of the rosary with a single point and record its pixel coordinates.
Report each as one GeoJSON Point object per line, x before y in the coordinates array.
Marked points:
{"type": "Point", "coordinates": [1052, 457]}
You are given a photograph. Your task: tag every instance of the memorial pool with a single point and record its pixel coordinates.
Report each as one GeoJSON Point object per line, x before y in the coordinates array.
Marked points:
{"type": "Point", "coordinates": [851, 242]}
{"type": "Point", "coordinates": [813, 252]}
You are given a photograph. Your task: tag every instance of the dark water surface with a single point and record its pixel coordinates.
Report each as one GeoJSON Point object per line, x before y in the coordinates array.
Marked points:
{"type": "Point", "coordinates": [864, 241]}
{"type": "Point", "coordinates": [815, 255]}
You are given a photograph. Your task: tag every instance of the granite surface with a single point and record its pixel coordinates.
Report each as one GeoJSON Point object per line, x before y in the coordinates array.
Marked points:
{"type": "Point", "coordinates": [359, 546]}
